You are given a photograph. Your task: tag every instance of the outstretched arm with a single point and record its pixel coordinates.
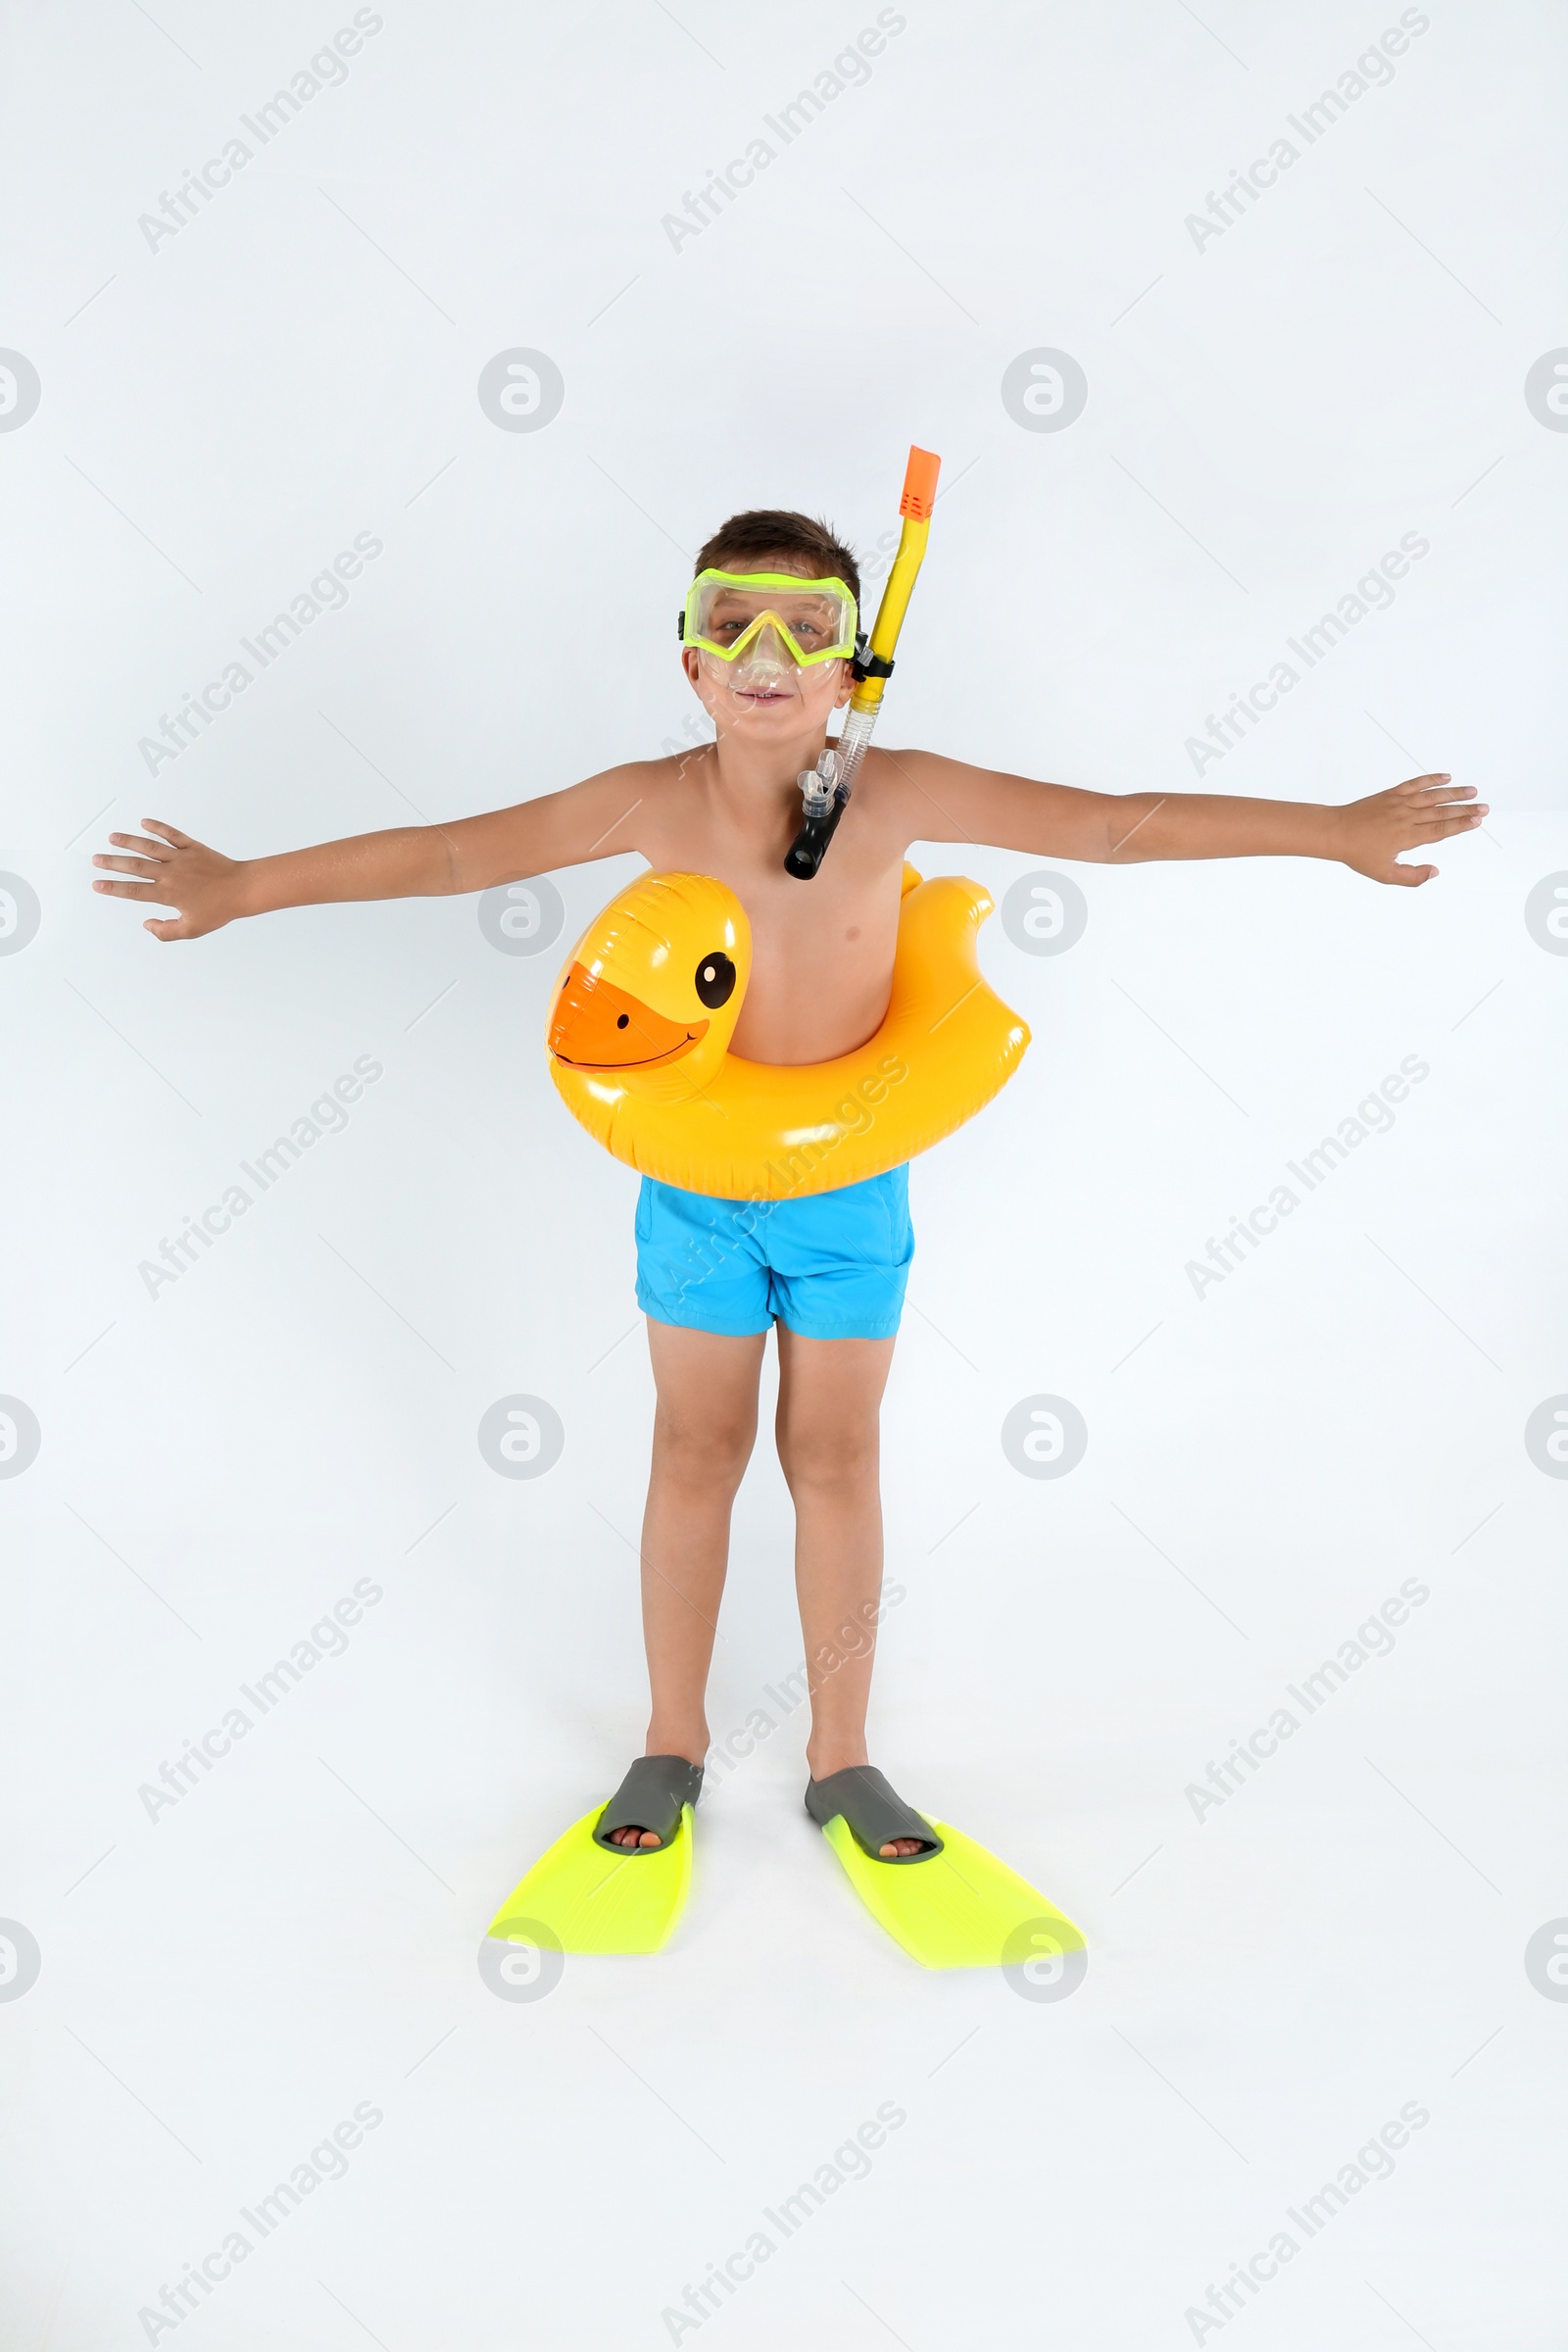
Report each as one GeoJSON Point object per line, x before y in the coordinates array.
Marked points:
{"type": "Point", "coordinates": [593, 819]}
{"type": "Point", "coordinates": [949, 801]}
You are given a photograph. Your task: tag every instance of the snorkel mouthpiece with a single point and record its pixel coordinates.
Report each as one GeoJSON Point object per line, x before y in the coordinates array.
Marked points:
{"type": "Point", "coordinates": [817, 783]}
{"type": "Point", "coordinates": [824, 795]}
{"type": "Point", "coordinates": [873, 667]}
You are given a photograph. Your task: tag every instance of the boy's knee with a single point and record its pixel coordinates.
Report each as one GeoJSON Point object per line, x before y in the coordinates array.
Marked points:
{"type": "Point", "coordinates": [828, 1453]}
{"type": "Point", "coordinates": [704, 1450]}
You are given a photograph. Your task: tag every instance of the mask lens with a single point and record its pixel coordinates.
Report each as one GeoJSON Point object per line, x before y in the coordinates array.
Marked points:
{"type": "Point", "coordinates": [815, 622]}
{"type": "Point", "coordinates": [732, 613]}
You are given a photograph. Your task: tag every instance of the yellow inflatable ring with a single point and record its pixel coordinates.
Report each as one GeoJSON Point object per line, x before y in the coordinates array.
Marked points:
{"type": "Point", "coordinates": [639, 1046]}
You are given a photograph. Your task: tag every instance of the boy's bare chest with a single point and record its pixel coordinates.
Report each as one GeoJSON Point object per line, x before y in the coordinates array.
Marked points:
{"type": "Point", "coordinates": [822, 951]}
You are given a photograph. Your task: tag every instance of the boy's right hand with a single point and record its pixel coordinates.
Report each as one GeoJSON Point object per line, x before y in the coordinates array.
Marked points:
{"type": "Point", "coordinates": [175, 871]}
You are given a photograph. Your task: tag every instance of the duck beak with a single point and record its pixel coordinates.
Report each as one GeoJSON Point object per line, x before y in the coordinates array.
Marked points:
{"type": "Point", "coordinates": [597, 1026]}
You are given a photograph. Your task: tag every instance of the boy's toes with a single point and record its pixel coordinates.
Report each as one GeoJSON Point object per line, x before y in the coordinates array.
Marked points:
{"type": "Point", "coordinates": [634, 1836]}
{"type": "Point", "coordinates": [901, 1845]}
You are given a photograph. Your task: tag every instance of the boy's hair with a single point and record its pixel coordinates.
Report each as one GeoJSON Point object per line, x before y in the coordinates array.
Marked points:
{"type": "Point", "coordinates": [772, 539]}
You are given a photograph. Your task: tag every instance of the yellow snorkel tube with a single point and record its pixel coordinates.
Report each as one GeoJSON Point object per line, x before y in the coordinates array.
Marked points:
{"type": "Point", "coordinates": [826, 789]}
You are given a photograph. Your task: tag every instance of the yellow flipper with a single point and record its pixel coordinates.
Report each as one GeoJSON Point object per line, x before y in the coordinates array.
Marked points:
{"type": "Point", "coordinates": [961, 1908]}
{"type": "Point", "coordinates": [591, 1900]}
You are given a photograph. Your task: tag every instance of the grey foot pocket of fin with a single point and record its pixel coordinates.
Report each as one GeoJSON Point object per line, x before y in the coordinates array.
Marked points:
{"type": "Point", "coordinates": [650, 1797]}
{"type": "Point", "coordinates": [875, 1811]}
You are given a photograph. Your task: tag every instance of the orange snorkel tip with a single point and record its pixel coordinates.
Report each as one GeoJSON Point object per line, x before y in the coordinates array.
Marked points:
{"type": "Point", "coordinates": [920, 485]}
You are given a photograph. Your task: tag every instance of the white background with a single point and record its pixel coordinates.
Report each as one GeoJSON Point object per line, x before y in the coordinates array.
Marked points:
{"type": "Point", "coordinates": [1267, 416]}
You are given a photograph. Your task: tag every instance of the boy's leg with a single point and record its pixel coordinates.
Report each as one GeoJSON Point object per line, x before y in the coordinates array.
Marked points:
{"type": "Point", "coordinates": [830, 1398]}
{"type": "Point", "coordinates": [703, 1426]}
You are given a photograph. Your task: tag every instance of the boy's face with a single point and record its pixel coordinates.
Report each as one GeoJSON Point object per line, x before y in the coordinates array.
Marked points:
{"type": "Point", "coordinates": [766, 694]}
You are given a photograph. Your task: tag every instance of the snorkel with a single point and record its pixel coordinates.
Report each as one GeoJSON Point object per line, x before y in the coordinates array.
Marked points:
{"type": "Point", "coordinates": [825, 789]}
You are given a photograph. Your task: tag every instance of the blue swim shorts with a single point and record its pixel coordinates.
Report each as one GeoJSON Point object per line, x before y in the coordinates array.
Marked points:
{"type": "Point", "coordinates": [831, 1267]}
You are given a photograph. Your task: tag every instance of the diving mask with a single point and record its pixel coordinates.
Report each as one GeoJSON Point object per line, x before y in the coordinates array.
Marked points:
{"type": "Point", "coordinates": [763, 617]}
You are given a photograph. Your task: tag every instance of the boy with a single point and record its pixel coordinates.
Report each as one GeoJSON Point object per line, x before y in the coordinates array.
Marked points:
{"type": "Point", "coordinates": [829, 1270]}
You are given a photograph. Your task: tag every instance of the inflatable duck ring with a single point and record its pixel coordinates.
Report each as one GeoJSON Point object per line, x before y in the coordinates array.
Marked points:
{"type": "Point", "coordinates": [639, 1046]}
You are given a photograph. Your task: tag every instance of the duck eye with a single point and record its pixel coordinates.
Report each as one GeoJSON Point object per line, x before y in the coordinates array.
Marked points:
{"type": "Point", "coordinates": [715, 981]}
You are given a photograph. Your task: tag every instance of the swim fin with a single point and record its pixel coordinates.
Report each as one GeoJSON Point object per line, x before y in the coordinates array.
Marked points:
{"type": "Point", "coordinates": [591, 1895]}
{"type": "Point", "coordinates": [953, 1905]}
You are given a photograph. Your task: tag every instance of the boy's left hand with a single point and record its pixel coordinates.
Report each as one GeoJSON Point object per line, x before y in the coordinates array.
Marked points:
{"type": "Point", "coordinates": [1371, 833]}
